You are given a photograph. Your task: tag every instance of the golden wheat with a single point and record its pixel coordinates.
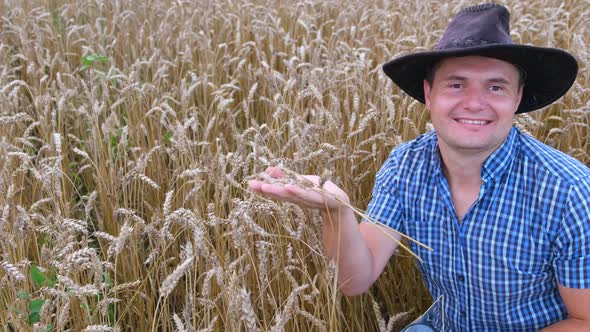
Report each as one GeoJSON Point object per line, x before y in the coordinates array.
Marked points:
{"type": "Point", "coordinates": [129, 127]}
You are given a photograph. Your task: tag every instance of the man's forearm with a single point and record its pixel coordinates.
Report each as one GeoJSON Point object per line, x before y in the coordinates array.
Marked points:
{"type": "Point", "coordinates": [343, 243]}
{"type": "Point", "coordinates": [570, 324]}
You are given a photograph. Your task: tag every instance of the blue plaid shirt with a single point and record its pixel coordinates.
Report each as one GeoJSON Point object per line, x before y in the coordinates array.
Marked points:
{"type": "Point", "coordinates": [528, 230]}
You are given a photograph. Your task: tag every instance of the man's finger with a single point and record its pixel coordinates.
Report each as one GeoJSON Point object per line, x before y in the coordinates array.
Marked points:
{"type": "Point", "coordinates": [310, 197]}
{"type": "Point", "coordinates": [275, 172]}
{"type": "Point", "coordinates": [254, 185]}
{"type": "Point", "coordinates": [277, 192]}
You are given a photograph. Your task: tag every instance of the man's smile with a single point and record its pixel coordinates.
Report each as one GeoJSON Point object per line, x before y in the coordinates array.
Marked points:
{"type": "Point", "coordinates": [473, 122]}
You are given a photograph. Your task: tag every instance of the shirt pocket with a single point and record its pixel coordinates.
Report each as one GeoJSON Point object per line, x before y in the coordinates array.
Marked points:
{"type": "Point", "coordinates": [522, 256]}
{"type": "Point", "coordinates": [522, 250]}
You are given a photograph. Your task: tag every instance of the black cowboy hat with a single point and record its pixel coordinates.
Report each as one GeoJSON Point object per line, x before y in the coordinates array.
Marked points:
{"type": "Point", "coordinates": [485, 30]}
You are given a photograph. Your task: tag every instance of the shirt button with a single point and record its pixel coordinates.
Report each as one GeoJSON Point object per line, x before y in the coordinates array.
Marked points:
{"type": "Point", "coordinates": [460, 278]}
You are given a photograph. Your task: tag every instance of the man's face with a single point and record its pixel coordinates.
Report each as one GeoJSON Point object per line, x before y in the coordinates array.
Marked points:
{"type": "Point", "coordinates": [472, 102]}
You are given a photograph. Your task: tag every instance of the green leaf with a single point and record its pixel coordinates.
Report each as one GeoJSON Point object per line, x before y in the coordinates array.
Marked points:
{"type": "Point", "coordinates": [167, 137]}
{"type": "Point", "coordinates": [35, 311]}
{"type": "Point", "coordinates": [38, 277]}
{"type": "Point", "coordinates": [33, 318]}
{"type": "Point", "coordinates": [57, 21]}
{"type": "Point", "coordinates": [114, 141]}
{"type": "Point", "coordinates": [111, 313]}
{"type": "Point", "coordinates": [90, 60]}
{"type": "Point", "coordinates": [43, 239]}
{"type": "Point", "coordinates": [52, 279]}
{"type": "Point", "coordinates": [35, 305]}
{"type": "Point", "coordinates": [23, 295]}
{"type": "Point", "coordinates": [107, 278]}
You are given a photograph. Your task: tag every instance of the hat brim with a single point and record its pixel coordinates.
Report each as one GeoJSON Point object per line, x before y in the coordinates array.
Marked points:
{"type": "Point", "coordinates": [550, 71]}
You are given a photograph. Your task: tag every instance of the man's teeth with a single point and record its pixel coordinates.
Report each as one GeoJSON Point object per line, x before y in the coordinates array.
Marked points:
{"type": "Point", "coordinates": [473, 122]}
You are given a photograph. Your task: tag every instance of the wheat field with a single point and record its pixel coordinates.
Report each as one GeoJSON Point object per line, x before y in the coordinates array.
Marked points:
{"type": "Point", "coordinates": [129, 129]}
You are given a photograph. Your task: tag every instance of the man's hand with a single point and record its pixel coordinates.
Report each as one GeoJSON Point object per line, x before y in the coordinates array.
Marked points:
{"type": "Point", "coordinates": [303, 190]}
{"type": "Point", "coordinates": [361, 251]}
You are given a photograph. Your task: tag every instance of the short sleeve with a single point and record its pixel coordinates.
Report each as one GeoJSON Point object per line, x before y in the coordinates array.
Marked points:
{"type": "Point", "coordinates": [572, 246]}
{"type": "Point", "coordinates": [384, 206]}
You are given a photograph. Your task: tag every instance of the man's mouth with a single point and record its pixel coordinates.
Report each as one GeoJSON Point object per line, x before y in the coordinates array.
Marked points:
{"type": "Point", "coordinates": [473, 122]}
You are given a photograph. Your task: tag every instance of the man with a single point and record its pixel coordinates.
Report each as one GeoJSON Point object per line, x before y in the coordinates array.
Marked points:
{"type": "Point", "coordinates": [508, 217]}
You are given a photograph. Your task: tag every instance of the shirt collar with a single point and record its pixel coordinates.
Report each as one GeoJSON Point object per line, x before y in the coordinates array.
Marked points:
{"type": "Point", "coordinates": [496, 164]}
{"type": "Point", "coordinates": [501, 159]}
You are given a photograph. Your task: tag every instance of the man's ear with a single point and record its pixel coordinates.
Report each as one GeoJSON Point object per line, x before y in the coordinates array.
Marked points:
{"type": "Point", "coordinates": [427, 94]}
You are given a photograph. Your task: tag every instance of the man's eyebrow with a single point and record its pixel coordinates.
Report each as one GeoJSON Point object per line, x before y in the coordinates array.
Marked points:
{"type": "Point", "coordinates": [455, 78]}
{"type": "Point", "coordinates": [500, 80]}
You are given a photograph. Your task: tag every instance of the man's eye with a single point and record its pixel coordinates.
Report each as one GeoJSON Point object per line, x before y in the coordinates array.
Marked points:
{"type": "Point", "coordinates": [455, 85]}
{"type": "Point", "coordinates": [496, 88]}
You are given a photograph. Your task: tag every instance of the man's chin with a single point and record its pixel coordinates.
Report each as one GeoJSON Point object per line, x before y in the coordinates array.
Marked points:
{"type": "Point", "coordinates": [470, 145]}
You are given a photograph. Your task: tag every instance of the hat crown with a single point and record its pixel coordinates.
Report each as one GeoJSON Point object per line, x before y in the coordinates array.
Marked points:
{"type": "Point", "coordinates": [477, 26]}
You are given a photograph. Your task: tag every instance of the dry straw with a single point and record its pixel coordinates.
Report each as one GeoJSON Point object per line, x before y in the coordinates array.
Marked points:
{"type": "Point", "coordinates": [129, 127]}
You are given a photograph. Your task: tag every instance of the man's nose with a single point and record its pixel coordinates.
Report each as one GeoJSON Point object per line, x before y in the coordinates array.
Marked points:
{"type": "Point", "coordinates": [474, 98]}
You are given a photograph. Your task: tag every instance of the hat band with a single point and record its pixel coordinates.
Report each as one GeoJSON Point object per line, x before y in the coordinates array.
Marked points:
{"type": "Point", "coordinates": [461, 43]}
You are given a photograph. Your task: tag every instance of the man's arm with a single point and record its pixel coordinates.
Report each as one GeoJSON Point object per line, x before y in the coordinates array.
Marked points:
{"type": "Point", "coordinates": [577, 302]}
{"type": "Point", "coordinates": [574, 258]}
{"type": "Point", "coordinates": [361, 251]}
